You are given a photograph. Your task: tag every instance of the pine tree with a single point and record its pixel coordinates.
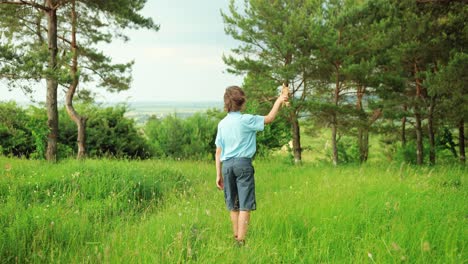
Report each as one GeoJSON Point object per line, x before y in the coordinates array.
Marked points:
{"type": "Point", "coordinates": [275, 45]}
{"type": "Point", "coordinates": [24, 50]}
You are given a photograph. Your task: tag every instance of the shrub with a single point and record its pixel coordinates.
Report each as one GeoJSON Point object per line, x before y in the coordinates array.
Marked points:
{"type": "Point", "coordinates": [16, 138]}
{"type": "Point", "coordinates": [23, 132]}
{"type": "Point", "coordinates": [190, 138]}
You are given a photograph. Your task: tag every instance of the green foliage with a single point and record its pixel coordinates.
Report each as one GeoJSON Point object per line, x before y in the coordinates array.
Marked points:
{"type": "Point", "coordinates": [111, 134]}
{"type": "Point", "coordinates": [202, 130]}
{"type": "Point", "coordinates": [449, 85]}
{"type": "Point", "coordinates": [445, 141]}
{"type": "Point", "coordinates": [24, 53]}
{"type": "Point", "coordinates": [23, 132]}
{"type": "Point", "coordinates": [15, 136]}
{"type": "Point", "coordinates": [401, 58]}
{"type": "Point", "coordinates": [190, 138]}
{"type": "Point", "coordinates": [407, 153]}
{"type": "Point", "coordinates": [348, 149]}
{"type": "Point", "coordinates": [39, 130]}
{"type": "Point", "coordinates": [445, 149]}
{"type": "Point", "coordinates": [38, 45]}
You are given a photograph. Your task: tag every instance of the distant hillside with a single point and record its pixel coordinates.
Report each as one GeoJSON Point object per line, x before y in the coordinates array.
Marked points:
{"type": "Point", "coordinates": [141, 111]}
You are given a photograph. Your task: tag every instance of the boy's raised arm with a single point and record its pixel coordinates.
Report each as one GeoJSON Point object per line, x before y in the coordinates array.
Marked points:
{"type": "Point", "coordinates": [274, 110]}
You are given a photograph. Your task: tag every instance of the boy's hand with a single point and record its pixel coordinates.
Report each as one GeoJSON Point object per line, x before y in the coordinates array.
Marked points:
{"type": "Point", "coordinates": [220, 182]}
{"type": "Point", "coordinates": [283, 99]}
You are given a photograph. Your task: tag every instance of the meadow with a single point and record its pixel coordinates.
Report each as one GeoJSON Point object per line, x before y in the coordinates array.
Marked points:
{"type": "Point", "coordinates": [165, 211]}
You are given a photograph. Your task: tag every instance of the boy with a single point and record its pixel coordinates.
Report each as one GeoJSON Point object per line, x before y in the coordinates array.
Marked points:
{"type": "Point", "coordinates": [235, 147]}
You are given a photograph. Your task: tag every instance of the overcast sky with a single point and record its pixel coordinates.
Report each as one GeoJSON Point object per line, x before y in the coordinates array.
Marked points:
{"type": "Point", "coordinates": [180, 62]}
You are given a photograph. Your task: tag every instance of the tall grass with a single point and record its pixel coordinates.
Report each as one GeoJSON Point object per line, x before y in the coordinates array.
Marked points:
{"type": "Point", "coordinates": [170, 212]}
{"type": "Point", "coordinates": [54, 212]}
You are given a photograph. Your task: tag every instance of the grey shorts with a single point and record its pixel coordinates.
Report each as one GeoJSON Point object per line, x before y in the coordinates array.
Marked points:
{"type": "Point", "coordinates": [239, 184]}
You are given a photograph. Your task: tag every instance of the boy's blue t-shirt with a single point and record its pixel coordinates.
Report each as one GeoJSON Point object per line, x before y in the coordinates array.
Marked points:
{"type": "Point", "coordinates": [237, 135]}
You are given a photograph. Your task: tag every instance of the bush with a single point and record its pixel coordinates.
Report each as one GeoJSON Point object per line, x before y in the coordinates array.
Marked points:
{"type": "Point", "coordinates": [110, 134]}
{"type": "Point", "coordinates": [16, 137]}
{"type": "Point", "coordinates": [348, 149]}
{"type": "Point", "coordinates": [190, 138]}
{"type": "Point", "coordinates": [23, 132]}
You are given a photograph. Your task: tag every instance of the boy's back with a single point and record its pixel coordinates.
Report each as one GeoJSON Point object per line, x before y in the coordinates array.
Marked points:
{"type": "Point", "coordinates": [236, 135]}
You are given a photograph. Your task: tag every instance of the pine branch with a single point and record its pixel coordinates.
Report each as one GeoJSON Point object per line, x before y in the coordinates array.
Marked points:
{"type": "Point", "coordinates": [439, 1]}
{"type": "Point", "coordinates": [376, 115]}
{"type": "Point", "coordinates": [28, 3]}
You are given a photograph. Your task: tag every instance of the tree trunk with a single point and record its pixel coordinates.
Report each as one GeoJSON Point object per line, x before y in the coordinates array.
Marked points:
{"type": "Point", "coordinates": [417, 114]}
{"type": "Point", "coordinates": [403, 127]}
{"type": "Point", "coordinates": [334, 121]}
{"type": "Point", "coordinates": [51, 102]}
{"type": "Point", "coordinates": [296, 134]}
{"type": "Point", "coordinates": [461, 140]}
{"type": "Point", "coordinates": [419, 138]}
{"type": "Point", "coordinates": [79, 120]}
{"type": "Point", "coordinates": [363, 132]}
{"type": "Point", "coordinates": [363, 138]}
{"type": "Point", "coordinates": [295, 129]}
{"type": "Point", "coordinates": [432, 151]}
{"type": "Point", "coordinates": [334, 143]}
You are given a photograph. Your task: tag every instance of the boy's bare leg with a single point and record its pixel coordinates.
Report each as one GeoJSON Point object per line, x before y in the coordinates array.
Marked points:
{"type": "Point", "coordinates": [244, 219]}
{"type": "Point", "coordinates": [235, 221]}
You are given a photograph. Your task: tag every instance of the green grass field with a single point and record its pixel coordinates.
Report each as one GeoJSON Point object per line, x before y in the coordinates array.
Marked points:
{"type": "Point", "coordinates": [103, 211]}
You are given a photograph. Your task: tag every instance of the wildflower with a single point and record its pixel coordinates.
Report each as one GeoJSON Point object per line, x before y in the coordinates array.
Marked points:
{"type": "Point", "coordinates": [370, 256]}
{"type": "Point", "coordinates": [426, 246]}
{"type": "Point", "coordinates": [189, 251]}
{"type": "Point", "coordinates": [8, 167]}
{"type": "Point", "coordinates": [395, 246]}
{"type": "Point", "coordinates": [179, 237]}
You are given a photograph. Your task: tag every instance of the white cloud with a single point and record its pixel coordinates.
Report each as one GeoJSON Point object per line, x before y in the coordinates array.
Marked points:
{"type": "Point", "coordinates": [191, 55]}
{"type": "Point", "coordinates": [159, 52]}
{"type": "Point", "coordinates": [203, 61]}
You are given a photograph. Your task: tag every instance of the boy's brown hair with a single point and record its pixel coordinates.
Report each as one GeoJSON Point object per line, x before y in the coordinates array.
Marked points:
{"type": "Point", "coordinates": [234, 99]}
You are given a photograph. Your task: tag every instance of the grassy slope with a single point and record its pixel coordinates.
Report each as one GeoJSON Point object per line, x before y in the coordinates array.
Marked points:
{"type": "Point", "coordinates": [309, 214]}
